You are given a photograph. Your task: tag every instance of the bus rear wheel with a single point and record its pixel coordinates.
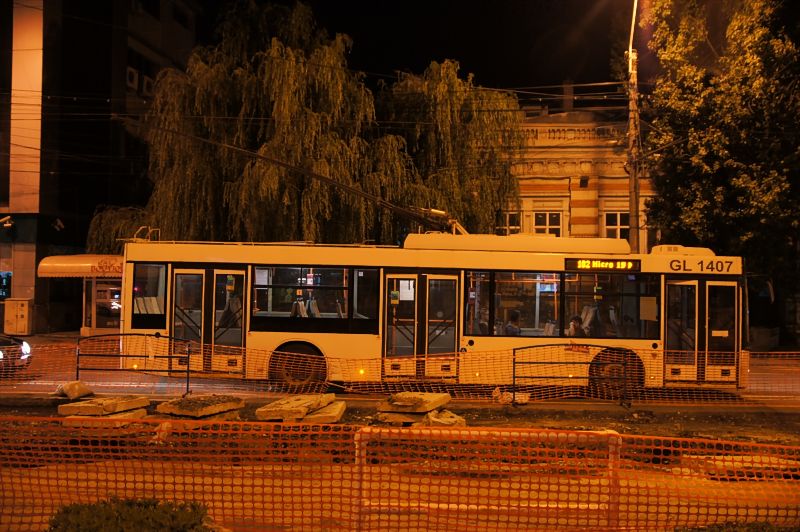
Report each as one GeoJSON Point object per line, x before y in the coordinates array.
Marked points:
{"type": "Point", "coordinates": [297, 366]}
{"type": "Point", "coordinates": [616, 374]}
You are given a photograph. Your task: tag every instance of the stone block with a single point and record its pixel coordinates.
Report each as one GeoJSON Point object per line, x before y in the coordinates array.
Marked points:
{"type": "Point", "coordinates": [200, 406]}
{"type": "Point", "coordinates": [331, 413]}
{"type": "Point", "coordinates": [294, 408]}
{"type": "Point", "coordinates": [414, 402]}
{"type": "Point", "coordinates": [103, 406]}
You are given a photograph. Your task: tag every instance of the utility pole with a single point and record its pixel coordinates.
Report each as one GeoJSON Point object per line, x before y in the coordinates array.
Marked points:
{"type": "Point", "coordinates": [633, 141]}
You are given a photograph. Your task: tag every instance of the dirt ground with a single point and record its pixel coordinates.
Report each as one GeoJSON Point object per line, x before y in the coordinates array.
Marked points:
{"type": "Point", "coordinates": [769, 427]}
{"type": "Point", "coordinates": [726, 423]}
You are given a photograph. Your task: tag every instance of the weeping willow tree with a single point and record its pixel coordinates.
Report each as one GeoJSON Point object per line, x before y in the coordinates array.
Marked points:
{"type": "Point", "coordinates": [278, 87]}
{"type": "Point", "coordinates": [462, 141]}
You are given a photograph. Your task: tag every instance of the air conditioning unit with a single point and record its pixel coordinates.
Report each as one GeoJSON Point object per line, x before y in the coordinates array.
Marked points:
{"type": "Point", "coordinates": [147, 86]}
{"type": "Point", "coordinates": [132, 78]}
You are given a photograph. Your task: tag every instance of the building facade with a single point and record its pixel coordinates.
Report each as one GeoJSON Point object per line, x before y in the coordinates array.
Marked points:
{"type": "Point", "coordinates": [573, 178]}
{"type": "Point", "coordinates": [67, 69]}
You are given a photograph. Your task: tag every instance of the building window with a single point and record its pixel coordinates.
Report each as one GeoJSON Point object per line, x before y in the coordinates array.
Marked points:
{"type": "Point", "coordinates": [510, 223]}
{"type": "Point", "coordinates": [547, 223]}
{"type": "Point", "coordinates": [618, 225]}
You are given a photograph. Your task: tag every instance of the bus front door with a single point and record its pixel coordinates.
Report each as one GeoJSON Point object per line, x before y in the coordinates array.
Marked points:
{"type": "Point", "coordinates": [701, 334]}
{"type": "Point", "coordinates": [721, 332]}
{"type": "Point", "coordinates": [421, 332]}
{"type": "Point", "coordinates": [207, 312]}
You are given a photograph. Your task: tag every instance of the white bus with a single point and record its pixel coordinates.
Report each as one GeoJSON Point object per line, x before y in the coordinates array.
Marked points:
{"type": "Point", "coordinates": [446, 308]}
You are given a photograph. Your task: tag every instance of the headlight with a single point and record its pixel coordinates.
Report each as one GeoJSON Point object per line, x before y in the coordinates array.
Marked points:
{"type": "Point", "coordinates": [1, 355]}
{"type": "Point", "coordinates": [26, 348]}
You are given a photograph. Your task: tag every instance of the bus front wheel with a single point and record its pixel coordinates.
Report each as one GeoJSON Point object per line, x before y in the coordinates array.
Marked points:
{"type": "Point", "coordinates": [297, 365]}
{"type": "Point", "coordinates": [616, 374]}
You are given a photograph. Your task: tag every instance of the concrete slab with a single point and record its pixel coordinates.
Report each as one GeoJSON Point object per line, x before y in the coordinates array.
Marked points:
{"type": "Point", "coordinates": [200, 406]}
{"type": "Point", "coordinates": [103, 406]}
{"type": "Point", "coordinates": [414, 402]}
{"type": "Point", "coordinates": [294, 408]}
{"type": "Point", "coordinates": [331, 413]}
{"type": "Point", "coordinates": [121, 419]}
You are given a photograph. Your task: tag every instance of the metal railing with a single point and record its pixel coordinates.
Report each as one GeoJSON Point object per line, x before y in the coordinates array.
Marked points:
{"type": "Point", "coordinates": [179, 350]}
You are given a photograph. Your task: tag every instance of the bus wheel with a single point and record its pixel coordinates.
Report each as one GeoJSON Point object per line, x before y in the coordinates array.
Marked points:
{"type": "Point", "coordinates": [616, 374]}
{"type": "Point", "coordinates": [297, 365]}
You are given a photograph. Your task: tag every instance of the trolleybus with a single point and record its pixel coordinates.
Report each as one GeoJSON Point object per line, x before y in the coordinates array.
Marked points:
{"type": "Point", "coordinates": [464, 309]}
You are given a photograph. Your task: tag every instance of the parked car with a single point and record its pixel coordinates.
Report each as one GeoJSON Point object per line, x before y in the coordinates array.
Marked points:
{"type": "Point", "coordinates": [15, 354]}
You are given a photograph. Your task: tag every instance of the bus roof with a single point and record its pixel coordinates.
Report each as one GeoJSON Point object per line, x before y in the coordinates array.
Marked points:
{"type": "Point", "coordinates": [517, 242]}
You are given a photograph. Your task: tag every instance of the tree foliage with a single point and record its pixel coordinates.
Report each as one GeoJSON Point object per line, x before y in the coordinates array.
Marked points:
{"type": "Point", "coordinates": [460, 141]}
{"type": "Point", "coordinates": [277, 86]}
{"type": "Point", "coordinates": [724, 142]}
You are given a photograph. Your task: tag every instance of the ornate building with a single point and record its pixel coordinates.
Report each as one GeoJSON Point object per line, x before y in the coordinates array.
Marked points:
{"type": "Point", "coordinates": [573, 179]}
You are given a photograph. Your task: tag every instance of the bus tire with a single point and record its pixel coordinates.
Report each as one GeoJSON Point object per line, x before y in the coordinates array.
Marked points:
{"type": "Point", "coordinates": [616, 374]}
{"type": "Point", "coordinates": [297, 365]}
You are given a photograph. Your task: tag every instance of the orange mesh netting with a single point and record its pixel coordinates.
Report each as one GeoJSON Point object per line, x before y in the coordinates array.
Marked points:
{"type": "Point", "coordinates": [161, 365]}
{"type": "Point", "coordinates": [256, 476]}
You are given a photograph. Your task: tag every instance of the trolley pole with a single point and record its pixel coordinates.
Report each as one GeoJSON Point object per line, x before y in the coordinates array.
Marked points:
{"type": "Point", "coordinates": [633, 137]}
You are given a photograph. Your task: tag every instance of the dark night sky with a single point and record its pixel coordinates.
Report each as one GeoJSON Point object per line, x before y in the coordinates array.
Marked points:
{"type": "Point", "coordinates": [505, 43]}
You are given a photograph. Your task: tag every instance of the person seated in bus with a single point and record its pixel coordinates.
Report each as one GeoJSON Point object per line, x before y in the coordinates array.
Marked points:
{"type": "Point", "coordinates": [512, 327]}
{"type": "Point", "coordinates": [576, 327]}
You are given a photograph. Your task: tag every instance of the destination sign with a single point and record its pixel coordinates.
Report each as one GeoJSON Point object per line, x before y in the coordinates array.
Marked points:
{"type": "Point", "coordinates": [603, 265]}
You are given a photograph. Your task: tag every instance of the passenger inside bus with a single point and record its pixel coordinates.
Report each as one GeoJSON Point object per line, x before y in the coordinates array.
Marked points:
{"type": "Point", "coordinates": [576, 327]}
{"type": "Point", "coordinates": [512, 327]}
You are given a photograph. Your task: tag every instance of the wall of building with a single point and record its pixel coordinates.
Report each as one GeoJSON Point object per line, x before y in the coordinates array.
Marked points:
{"type": "Point", "coordinates": [573, 168]}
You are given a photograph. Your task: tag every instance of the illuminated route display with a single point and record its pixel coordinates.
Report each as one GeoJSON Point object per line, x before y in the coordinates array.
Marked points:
{"type": "Point", "coordinates": [602, 265]}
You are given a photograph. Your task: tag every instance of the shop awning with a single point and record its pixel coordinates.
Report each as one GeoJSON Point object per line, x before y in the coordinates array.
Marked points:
{"type": "Point", "coordinates": [81, 266]}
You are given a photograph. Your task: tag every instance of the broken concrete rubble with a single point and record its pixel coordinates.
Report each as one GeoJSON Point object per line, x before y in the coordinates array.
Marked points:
{"type": "Point", "coordinates": [73, 390]}
{"type": "Point", "coordinates": [103, 406]}
{"type": "Point", "coordinates": [418, 409]}
{"type": "Point", "coordinates": [414, 402]}
{"type": "Point", "coordinates": [294, 408]}
{"type": "Point", "coordinates": [201, 406]}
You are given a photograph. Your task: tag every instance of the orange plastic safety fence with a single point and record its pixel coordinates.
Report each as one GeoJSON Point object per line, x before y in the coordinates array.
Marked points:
{"type": "Point", "coordinates": [257, 476]}
{"type": "Point", "coordinates": [161, 365]}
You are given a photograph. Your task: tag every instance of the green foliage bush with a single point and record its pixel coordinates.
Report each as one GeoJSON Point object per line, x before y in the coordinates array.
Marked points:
{"type": "Point", "coordinates": [130, 515]}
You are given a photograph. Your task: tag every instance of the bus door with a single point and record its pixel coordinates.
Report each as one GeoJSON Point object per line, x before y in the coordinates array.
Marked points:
{"type": "Point", "coordinates": [681, 335]}
{"type": "Point", "coordinates": [721, 331]}
{"type": "Point", "coordinates": [421, 338]}
{"type": "Point", "coordinates": [208, 312]}
{"type": "Point", "coordinates": [187, 315]}
{"type": "Point", "coordinates": [227, 328]}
